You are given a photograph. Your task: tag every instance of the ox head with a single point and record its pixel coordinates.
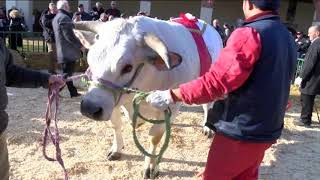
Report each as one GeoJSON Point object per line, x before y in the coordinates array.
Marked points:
{"type": "Point", "coordinates": [116, 51]}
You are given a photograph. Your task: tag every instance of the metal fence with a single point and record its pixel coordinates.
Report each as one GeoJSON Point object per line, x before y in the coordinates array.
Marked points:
{"type": "Point", "coordinates": [300, 62]}
{"type": "Point", "coordinates": [24, 42]}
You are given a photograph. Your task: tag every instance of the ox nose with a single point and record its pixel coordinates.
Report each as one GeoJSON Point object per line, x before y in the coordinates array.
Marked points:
{"type": "Point", "coordinates": [91, 110]}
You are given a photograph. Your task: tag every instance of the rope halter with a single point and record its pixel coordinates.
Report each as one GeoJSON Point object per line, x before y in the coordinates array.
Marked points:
{"type": "Point", "coordinates": [116, 90]}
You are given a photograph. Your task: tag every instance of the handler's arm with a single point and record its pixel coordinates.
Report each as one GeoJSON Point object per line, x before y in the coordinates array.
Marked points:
{"type": "Point", "coordinates": [20, 77]}
{"type": "Point", "coordinates": [232, 68]}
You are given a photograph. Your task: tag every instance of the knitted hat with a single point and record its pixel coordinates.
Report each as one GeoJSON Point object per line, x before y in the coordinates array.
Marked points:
{"type": "Point", "coordinates": [267, 4]}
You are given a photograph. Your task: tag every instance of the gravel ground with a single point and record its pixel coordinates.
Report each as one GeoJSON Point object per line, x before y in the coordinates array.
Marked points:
{"type": "Point", "coordinates": [85, 144]}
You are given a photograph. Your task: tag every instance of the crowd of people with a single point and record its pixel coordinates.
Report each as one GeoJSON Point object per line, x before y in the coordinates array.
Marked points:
{"type": "Point", "coordinates": [98, 13]}
{"type": "Point", "coordinates": [224, 31]}
{"type": "Point", "coordinates": [13, 20]}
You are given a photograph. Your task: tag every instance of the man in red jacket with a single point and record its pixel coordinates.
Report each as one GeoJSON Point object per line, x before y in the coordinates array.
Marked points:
{"type": "Point", "coordinates": [254, 70]}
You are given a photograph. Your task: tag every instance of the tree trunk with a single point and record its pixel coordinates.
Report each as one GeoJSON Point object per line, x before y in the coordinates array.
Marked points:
{"type": "Point", "coordinates": [317, 10]}
{"type": "Point", "coordinates": [291, 12]}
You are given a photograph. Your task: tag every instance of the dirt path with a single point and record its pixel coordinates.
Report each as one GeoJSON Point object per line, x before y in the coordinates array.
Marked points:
{"type": "Point", "coordinates": [85, 144]}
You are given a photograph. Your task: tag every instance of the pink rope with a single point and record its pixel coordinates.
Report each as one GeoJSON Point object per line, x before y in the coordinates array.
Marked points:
{"type": "Point", "coordinates": [72, 78]}
{"type": "Point", "coordinates": [51, 113]}
{"type": "Point", "coordinates": [87, 75]}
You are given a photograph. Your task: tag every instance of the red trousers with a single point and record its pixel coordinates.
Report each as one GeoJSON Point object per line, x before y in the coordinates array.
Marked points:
{"type": "Point", "coordinates": [231, 159]}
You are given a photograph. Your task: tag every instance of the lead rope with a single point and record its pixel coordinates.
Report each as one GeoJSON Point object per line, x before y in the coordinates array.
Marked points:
{"type": "Point", "coordinates": [53, 103]}
{"type": "Point", "coordinates": [137, 99]}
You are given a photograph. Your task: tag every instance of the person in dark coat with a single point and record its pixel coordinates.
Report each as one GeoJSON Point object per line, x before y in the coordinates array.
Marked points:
{"type": "Point", "coordinates": [36, 24]}
{"type": "Point", "coordinates": [67, 44]}
{"type": "Point", "coordinates": [15, 76]}
{"type": "Point", "coordinates": [113, 10]}
{"type": "Point", "coordinates": [97, 11]}
{"type": "Point", "coordinates": [227, 32]}
{"type": "Point", "coordinates": [216, 25]}
{"type": "Point", "coordinates": [48, 34]}
{"type": "Point", "coordinates": [84, 16]}
{"type": "Point", "coordinates": [17, 24]}
{"type": "Point", "coordinates": [310, 84]}
{"type": "Point", "coordinates": [12, 8]}
{"type": "Point", "coordinates": [302, 43]}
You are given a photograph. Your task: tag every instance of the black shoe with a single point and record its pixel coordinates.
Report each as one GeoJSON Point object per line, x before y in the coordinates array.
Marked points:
{"type": "Point", "coordinates": [303, 122]}
{"type": "Point", "coordinates": [75, 95]}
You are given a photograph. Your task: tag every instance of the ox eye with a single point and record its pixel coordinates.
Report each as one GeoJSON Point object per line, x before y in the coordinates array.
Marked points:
{"type": "Point", "coordinates": [97, 36]}
{"type": "Point", "coordinates": [126, 69]}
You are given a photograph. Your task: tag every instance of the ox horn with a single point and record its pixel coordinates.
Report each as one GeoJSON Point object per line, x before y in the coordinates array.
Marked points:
{"type": "Point", "coordinates": [92, 26]}
{"type": "Point", "coordinates": [157, 45]}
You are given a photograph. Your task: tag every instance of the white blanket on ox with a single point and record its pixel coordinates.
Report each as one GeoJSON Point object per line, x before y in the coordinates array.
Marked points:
{"type": "Point", "coordinates": [212, 39]}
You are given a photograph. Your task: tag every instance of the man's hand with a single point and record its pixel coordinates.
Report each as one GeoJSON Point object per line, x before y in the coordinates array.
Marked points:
{"type": "Point", "coordinates": [160, 99]}
{"type": "Point", "coordinates": [57, 79]}
{"type": "Point", "coordinates": [200, 174]}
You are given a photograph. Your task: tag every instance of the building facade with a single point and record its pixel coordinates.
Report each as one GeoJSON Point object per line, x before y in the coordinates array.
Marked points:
{"type": "Point", "coordinates": [228, 11]}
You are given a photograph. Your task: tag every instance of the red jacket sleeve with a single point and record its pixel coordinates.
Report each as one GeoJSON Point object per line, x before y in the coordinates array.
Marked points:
{"type": "Point", "coordinates": [232, 68]}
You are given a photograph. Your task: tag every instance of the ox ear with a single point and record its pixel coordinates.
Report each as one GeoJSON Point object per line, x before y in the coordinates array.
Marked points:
{"type": "Point", "coordinates": [160, 57]}
{"type": "Point", "coordinates": [86, 31]}
{"type": "Point", "coordinates": [92, 26]}
{"type": "Point", "coordinates": [87, 38]}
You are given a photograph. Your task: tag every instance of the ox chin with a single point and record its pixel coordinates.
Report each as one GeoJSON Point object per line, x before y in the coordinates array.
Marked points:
{"type": "Point", "coordinates": [92, 111]}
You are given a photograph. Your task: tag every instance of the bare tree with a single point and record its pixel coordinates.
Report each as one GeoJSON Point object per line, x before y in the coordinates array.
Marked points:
{"type": "Point", "coordinates": [317, 9]}
{"type": "Point", "coordinates": [291, 11]}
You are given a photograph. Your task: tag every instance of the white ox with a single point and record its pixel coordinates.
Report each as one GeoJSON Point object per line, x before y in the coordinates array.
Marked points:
{"type": "Point", "coordinates": [117, 48]}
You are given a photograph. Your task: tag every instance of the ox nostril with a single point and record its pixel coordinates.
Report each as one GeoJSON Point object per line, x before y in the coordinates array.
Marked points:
{"type": "Point", "coordinates": [97, 114]}
{"type": "Point", "coordinates": [90, 110]}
